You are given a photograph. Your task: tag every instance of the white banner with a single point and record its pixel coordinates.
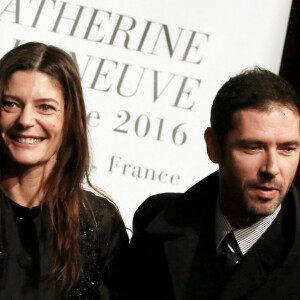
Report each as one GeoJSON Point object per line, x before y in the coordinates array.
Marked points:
{"type": "Point", "coordinates": [150, 71]}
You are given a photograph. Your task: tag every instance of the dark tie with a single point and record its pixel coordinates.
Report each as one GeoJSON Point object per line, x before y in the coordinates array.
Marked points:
{"type": "Point", "coordinates": [231, 253]}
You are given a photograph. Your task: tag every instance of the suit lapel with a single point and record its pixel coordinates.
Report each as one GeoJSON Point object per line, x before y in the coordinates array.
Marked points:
{"type": "Point", "coordinates": [247, 276]}
{"type": "Point", "coordinates": [179, 245]}
{"type": "Point", "coordinates": [180, 254]}
{"type": "Point", "coordinates": [263, 260]}
{"type": "Point", "coordinates": [189, 239]}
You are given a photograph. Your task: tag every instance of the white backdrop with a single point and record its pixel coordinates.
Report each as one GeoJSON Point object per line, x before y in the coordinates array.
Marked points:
{"type": "Point", "coordinates": [150, 71]}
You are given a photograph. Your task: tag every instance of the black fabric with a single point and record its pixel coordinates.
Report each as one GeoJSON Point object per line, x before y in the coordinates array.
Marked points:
{"type": "Point", "coordinates": [174, 255]}
{"type": "Point", "coordinates": [23, 270]}
{"type": "Point", "coordinates": [26, 257]}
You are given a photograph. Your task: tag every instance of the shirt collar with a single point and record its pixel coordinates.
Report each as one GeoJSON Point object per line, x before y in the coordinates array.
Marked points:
{"type": "Point", "coordinates": [246, 237]}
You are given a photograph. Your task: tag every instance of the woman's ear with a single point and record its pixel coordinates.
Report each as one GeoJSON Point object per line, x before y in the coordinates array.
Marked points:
{"type": "Point", "coordinates": [212, 145]}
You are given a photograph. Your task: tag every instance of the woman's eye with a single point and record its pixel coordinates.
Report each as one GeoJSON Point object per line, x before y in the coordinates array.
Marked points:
{"type": "Point", "coordinates": [46, 108]}
{"type": "Point", "coordinates": [9, 105]}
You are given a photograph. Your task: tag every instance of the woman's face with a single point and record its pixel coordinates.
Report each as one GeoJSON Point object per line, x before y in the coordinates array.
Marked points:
{"type": "Point", "coordinates": [32, 117]}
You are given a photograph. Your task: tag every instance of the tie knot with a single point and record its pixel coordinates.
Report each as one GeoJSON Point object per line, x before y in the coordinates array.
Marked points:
{"type": "Point", "coordinates": [230, 243]}
{"type": "Point", "coordinates": [231, 253]}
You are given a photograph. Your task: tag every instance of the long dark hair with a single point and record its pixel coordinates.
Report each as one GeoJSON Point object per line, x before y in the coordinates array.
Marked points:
{"type": "Point", "coordinates": [63, 199]}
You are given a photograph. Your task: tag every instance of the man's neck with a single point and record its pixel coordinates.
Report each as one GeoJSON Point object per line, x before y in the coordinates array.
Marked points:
{"type": "Point", "coordinates": [235, 216]}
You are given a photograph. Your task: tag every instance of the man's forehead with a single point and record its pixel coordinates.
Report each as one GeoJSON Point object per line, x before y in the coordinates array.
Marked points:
{"type": "Point", "coordinates": [279, 121]}
{"type": "Point", "coordinates": [283, 111]}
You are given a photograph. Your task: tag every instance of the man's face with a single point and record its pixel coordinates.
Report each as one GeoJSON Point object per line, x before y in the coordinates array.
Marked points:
{"type": "Point", "coordinates": [259, 162]}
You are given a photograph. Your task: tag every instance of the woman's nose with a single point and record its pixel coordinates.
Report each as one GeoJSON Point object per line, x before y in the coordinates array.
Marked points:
{"type": "Point", "coordinates": [27, 117]}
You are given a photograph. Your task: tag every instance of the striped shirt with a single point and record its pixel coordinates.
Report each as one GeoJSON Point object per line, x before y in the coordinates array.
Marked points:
{"type": "Point", "coordinates": [246, 237]}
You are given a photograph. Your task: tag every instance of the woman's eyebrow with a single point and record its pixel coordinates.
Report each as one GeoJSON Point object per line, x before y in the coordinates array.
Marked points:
{"type": "Point", "coordinates": [11, 96]}
{"type": "Point", "coordinates": [47, 100]}
{"type": "Point", "coordinates": [36, 100]}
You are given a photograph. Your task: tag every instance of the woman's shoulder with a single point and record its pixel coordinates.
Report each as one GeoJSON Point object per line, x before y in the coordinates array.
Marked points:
{"type": "Point", "coordinates": [103, 210]}
{"type": "Point", "coordinates": [94, 201]}
{"type": "Point", "coordinates": [104, 245]}
{"type": "Point", "coordinates": [102, 220]}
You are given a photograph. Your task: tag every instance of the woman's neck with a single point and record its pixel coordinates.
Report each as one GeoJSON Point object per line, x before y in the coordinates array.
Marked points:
{"type": "Point", "coordinates": [23, 184]}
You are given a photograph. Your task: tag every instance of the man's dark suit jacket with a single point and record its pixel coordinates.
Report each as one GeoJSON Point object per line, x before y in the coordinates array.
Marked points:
{"type": "Point", "coordinates": [174, 255]}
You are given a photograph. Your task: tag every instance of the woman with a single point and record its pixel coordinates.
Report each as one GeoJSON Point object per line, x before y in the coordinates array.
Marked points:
{"type": "Point", "coordinates": [56, 240]}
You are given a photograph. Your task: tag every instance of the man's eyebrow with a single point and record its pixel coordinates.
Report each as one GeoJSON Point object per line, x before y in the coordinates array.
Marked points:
{"type": "Point", "coordinates": [290, 143]}
{"type": "Point", "coordinates": [245, 142]}
{"type": "Point", "coordinates": [249, 142]}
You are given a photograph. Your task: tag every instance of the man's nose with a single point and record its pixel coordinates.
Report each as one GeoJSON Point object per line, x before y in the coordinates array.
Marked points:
{"type": "Point", "coordinates": [270, 164]}
{"type": "Point", "coordinates": [27, 117]}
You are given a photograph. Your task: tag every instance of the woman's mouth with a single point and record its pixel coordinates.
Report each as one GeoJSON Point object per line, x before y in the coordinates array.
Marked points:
{"type": "Point", "coordinates": [27, 140]}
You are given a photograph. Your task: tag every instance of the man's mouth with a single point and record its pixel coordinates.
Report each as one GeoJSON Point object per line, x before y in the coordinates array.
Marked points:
{"type": "Point", "coordinates": [267, 188]}
{"type": "Point", "coordinates": [266, 191]}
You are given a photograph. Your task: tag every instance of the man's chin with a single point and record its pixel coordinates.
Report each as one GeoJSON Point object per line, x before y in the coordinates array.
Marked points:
{"type": "Point", "coordinates": [262, 208]}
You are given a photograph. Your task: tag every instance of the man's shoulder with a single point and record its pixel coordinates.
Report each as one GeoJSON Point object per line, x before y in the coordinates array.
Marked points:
{"type": "Point", "coordinates": [153, 206]}
{"type": "Point", "coordinates": [176, 204]}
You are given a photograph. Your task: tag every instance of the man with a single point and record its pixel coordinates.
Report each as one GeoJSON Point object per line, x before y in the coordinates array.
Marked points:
{"type": "Point", "coordinates": [235, 234]}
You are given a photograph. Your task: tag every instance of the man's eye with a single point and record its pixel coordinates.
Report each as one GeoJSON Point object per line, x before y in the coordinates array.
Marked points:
{"type": "Point", "coordinates": [289, 149]}
{"type": "Point", "coordinates": [252, 148]}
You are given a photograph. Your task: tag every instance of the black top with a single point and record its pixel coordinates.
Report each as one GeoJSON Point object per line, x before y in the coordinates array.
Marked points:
{"type": "Point", "coordinates": [26, 258]}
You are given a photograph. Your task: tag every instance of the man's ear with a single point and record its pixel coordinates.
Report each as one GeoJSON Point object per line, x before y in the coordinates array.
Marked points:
{"type": "Point", "coordinates": [212, 145]}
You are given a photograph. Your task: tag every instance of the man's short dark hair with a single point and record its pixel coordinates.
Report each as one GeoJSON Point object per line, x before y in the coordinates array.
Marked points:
{"type": "Point", "coordinates": [255, 88]}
